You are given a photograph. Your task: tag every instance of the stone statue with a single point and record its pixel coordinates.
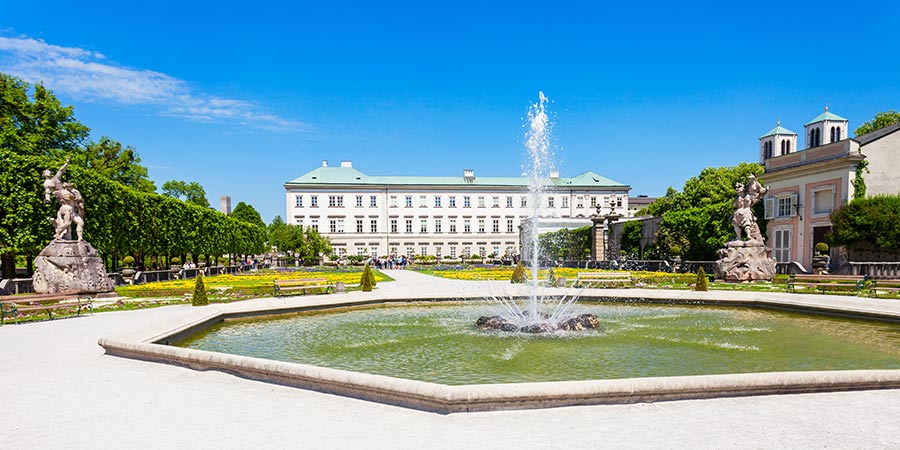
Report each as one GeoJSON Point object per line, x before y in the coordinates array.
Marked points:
{"type": "Point", "coordinates": [748, 260]}
{"type": "Point", "coordinates": [66, 265]}
{"type": "Point", "coordinates": [743, 218]}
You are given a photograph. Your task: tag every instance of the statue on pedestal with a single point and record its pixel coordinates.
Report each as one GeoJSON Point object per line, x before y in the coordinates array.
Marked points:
{"type": "Point", "coordinates": [748, 260]}
{"type": "Point", "coordinates": [66, 265]}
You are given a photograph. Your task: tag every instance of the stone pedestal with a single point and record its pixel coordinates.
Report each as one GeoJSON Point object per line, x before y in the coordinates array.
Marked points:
{"type": "Point", "coordinates": [745, 261]}
{"type": "Point", "coordinates": [70, 267]}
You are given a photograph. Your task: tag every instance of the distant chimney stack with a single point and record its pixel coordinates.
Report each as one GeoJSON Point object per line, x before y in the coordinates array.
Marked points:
{"type": "Point", "coordinates": [554, 174]}
{"type": "Point", "coordinates": [225, 204]}
{"type": "Point", "coordinates": [469, 174]}
{"type": "Point", "coordinates": [324, 163]}
{"type": "Point", "coordinates": [346, 163]}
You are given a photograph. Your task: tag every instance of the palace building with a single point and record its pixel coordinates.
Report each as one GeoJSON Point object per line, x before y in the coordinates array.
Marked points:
{"type": "Point", "coordinates": [448, 216]}
{"type": "Point", "coordinates": [806, 185]}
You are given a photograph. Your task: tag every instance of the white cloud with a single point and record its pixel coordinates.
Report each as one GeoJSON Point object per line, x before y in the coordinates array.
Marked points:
{"type": "Point", "coordinates": [86, 75]}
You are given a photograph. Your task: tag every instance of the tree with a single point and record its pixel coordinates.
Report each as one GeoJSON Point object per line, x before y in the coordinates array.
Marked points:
{"type": "Point", "coordinates": [701, 284]}
{"type": "Point", "coordinates": [108, 158]}
{"type": "Point", "coordinates": [199, 298]}
{"type": "Point", "coordinates": [868, 222]}
{"type": "Point", "coordinates": [247, 213]}
{"type": "Point", "coordinates": [366, 280]}
{"type": "Point", "coordinates": [881, 120]}
{"type": "Point", "coordinates": [696, 222]}
{"type": "Point", "coordinates": [191, 192]}
{"type": "Point", "coordinates": [519, 276]}
{"type": "Point", "coordinates": [39, 125]}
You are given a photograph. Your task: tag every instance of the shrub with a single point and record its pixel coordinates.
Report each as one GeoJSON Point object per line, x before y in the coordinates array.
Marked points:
{"type": "Point", "coordinates": [367, 279]}
{"type": "Point", "coordinates": [822, 248]}
{"type": "Point", "coordinates": [175, 261]}
{"type": "Point", "coordinates": [519, 275]}
{"type": "Point", "coordinates": [701, 281]}
{"type": "Point", "coordinates": [128, 261]}
{"type": "Point", "coordinates": [199, 298]}
{"type": "Point", "coordinates": [223, 261]}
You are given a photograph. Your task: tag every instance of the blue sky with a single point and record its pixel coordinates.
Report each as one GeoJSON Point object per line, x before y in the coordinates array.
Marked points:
{"type": "Point", "coordinates": [245, 96]}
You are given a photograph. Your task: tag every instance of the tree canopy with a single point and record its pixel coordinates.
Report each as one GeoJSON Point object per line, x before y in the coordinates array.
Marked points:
{"type": "Point", "coordinates": [868, 222]}
{"type": "Point", "coordinates": [248, 213]}
{"type": "Point", "coordinates": [881, 120]}
{"type": "Point", "coordinates": [111, 160]}
{"type": "Point", "coordinates": [697, 220]}
{"type": "Point", "coordinates": [295, 240]}
{"type": "Point", "coordinates": [191, 192]}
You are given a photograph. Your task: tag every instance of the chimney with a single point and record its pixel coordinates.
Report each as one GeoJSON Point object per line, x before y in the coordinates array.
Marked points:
{"type": "Point", "coordinates": [346, 163]}
{"type": "Point", "coordinates": [324, 163]}
{"type": "Point", "coordinates": [469, 174]}
{"type": "Point", "coordinates": [554, 174]}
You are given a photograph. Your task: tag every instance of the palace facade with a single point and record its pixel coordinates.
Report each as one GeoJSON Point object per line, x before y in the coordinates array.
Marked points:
{"type": "Point", "coordinates": [446, 217]}
{"type": "Point", "coordinates": [806, 185]}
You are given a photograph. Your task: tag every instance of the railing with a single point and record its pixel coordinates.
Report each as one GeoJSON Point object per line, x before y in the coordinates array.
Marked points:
{"type": "Point", "coordinates": [150, 276]}
{"type": "Point", "coordinates": [16, 286]}
{"type": "Point", "coordinates": [876, 270]}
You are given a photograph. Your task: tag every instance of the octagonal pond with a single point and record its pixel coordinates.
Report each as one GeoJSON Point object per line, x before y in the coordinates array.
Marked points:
{"type": "Point", "coordinates": [437, 342]}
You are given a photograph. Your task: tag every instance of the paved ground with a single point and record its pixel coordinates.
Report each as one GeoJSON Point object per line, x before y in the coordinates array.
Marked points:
{"type": "Point", "coordinates": [58, 391]}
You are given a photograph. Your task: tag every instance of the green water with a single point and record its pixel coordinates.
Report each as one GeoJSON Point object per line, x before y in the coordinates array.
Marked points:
{"type": "Point", "coordinates": [439, 343]}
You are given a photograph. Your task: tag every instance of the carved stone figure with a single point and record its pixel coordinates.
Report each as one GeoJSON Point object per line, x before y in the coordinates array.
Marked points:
{"type": "Point", "coordinates": [66, 265]}
{"type": "Point", "coordinates": [748, 260]}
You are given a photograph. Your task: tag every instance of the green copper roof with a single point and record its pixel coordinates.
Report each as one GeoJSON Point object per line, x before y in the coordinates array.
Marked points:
{"type": "Point", "coordinates": [351, 176]}
{"type": "Point", "coordinates": [778, 130]}
{"type": "Point", "coordinates": [827, 115]}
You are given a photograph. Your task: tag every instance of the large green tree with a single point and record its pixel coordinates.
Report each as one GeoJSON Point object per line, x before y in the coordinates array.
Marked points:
{"type": "Point", "coordinates": [297, 241]}
{"type": "Point", "coordinates": [881, 120]}
{"type": "Point", "coordinates": [110, 159]}
{"type": "Point", "coordinates": [191, 192]}
{"type": "Point", "coordinates": [247, 213]}
{"type": "Point", "coordinates": [34, 122]}
{"type": "Point", "coordinates": [868, 223]}
{"type": "Point", "coordinates": [697, 221]}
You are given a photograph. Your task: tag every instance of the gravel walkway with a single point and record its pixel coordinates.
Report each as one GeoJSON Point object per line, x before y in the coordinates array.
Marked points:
{"type": "Point", "coordinates": [60, 392]}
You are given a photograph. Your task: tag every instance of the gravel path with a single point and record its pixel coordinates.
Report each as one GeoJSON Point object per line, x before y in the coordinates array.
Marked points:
{"type": "Point", "coordinates": [60, 392]}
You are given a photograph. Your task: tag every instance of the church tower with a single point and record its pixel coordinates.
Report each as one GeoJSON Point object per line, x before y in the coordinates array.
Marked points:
{"type": "Point", "coordinates": [825, 129]}
{"type": "Point", "coordinates": [778, 141]}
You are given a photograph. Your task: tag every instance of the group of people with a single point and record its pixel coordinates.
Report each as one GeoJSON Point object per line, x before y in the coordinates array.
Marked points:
{"type": "Point", "coordinates": [390, 262]}
{"type": "Point", "coordinates": [71, 209]}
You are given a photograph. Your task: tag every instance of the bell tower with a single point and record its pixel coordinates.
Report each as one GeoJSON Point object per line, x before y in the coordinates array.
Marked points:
{"type": "Point", "coordinates": [825, 129]}
{"type": "Point", "coordinates": [778, 141]}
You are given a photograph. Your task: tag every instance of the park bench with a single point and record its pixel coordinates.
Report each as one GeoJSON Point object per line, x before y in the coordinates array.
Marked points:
{"type": "Point", "coordinates": [12, 305]}
{"type": "Point", "coordinates": [604, 279]}
{"type": "Point", "coordinates": [883, 286]}
{"type": "Point", "coordinates": [303, 285]}
{"type": "Point", "coordinates": [824, 283]}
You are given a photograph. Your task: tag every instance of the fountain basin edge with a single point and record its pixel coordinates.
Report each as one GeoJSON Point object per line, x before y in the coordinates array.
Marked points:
{"type": "Point", "coordinates": [150, 345]}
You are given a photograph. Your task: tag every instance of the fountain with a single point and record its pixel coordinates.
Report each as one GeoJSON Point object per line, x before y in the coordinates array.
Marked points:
{"type": "Point", "coordinates": [534, 319]}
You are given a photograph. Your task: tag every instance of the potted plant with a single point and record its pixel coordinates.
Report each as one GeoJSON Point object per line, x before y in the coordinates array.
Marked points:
{"type": "Point", "coordinates": [175, 263]}
{"type": "Point", "coordinates": [128, 266]}
{"type": "Point", "coordinates": [821, 258]}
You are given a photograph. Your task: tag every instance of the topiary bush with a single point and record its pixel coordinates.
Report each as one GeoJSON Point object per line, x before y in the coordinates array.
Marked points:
{"type": "Point", "coordinates": [367, 280]}
{"type": "Point", "coordinates": [519, 275]}
{"type": "Point", "coordinates": [701, 281]}
{"type": "Point", "coordinates": [199, 298]}
{"type": "Point", "coordinates": [175, 261]}
{"type": "Point", "coordinates": [822, 248]}
{"type": "Point", "coordinates": [128, 261]}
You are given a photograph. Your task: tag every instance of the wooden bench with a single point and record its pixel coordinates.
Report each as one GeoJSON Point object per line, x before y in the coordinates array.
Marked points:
{"type": "Point", "coordinates": [884, 286]}
{"type": "Point", "coordinates": [12, 305]}
{"type": "Point", "coordinates": [303, 285]}
{"type": "Point", "coordinates": [824, 283]}
{"type": "Point", "coordinates": [604, 279]}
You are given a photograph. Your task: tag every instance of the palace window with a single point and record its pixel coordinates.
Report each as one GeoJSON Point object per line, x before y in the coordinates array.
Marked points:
{"type": "Point", "coordinates": [823, 201]}
{"type": "Point", "coordinates": [495, 200]}
{"type": "Point", "coordinates": [314, 201]}
{"type": "Point", "coordinates": [551, 202]}
{"type": "Point", "coordinates": [373, 201]}
{"type": "Point", "coordinates": [467, 201]}
{"type": "Point", "coordinates": [409, 225]}
{"type": "Point", "coordinates": [409, 201]}
{"type": "Point", "coordinates": [579, 202]}
{"type": "Point", "coordinates": [373, 226]}
{"type": "Point", "coordinates": [509, 201]}
{"type": "Point", "coordinates": [453, 251]}
{"type": "Point", "coordinates": [437, 201]}
{"type": "Point", "coordinates": [481, 201]}
{"type": "Point", "coordinates": [481, 225]}
{"type": "Point", "coordinates": [782, 247]}
{"type": "Point", "coordinates": [467, 226]}
{"type": "Point", "coordinates": [437, 225]}
{"type": "Point", "coordinates": [423, 201]}
{"type": "Point", "coordinates": [496, 226]}
{"type": "Point", "coordinates": [393, 225]}
{"type": "Point", "coordinates": [359, 201]}
{"type": "Point", "coordinates": [359, 225]}
{"type": "Point", "coordinates": [423, 225]}
{"type": "Point", "coordinates": [523, 203]}
{"type": "Point", "coordinates": [298, 201]}
{"type": "Point", "coordinates": [509, 225]}
{"type": "Point", "coordinates": [314, 224]}
{"type": "Point", "coordinates": [452, 201]}
{"type": "Point", "coordinates": [453, 225]}
{"type": "Point", "coordinates": [335, 201]}
{"type": "Point", "coordinates": [393, 201]}
{"type": "Point", "coordinates": [565, 202]}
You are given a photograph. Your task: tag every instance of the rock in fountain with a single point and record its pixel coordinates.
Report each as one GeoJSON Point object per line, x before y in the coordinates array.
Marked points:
{"type": "Point", "coordinates": [580, 322]}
